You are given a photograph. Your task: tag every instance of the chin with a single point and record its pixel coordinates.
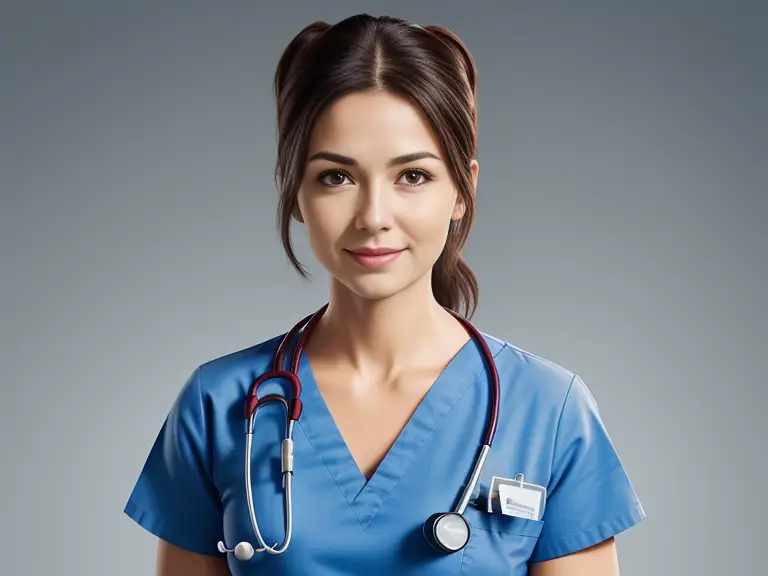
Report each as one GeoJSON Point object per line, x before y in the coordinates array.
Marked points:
{"type": "Point", "coordinates": [373, 288]}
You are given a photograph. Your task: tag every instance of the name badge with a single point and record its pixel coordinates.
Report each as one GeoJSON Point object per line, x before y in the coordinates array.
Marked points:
{"type": "Point", "coordinates": [517, 497]}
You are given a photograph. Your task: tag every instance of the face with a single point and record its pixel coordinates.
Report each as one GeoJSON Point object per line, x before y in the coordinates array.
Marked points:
{"type": "Point", "coordinates": [376, 197]}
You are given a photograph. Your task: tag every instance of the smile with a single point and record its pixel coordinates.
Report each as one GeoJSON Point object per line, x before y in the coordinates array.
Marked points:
{"type": "Point", "coordinates": [374, 258]}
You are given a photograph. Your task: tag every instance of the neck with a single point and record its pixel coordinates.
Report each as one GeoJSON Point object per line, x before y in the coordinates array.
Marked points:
{"type": "Point", "coordinates": [384, 335]}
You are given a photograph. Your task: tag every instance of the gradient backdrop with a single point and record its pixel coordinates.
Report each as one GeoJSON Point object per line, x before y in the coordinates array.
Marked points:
{"type": "Point", "coordinates": [621, 233]}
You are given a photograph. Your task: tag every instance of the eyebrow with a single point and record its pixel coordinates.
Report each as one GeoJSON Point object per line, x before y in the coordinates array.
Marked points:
{"type": "Point", "coordinates": [346, 160]}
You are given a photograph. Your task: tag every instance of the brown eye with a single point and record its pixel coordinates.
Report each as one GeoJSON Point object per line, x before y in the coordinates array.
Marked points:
{"type": "Point", "coordinates": [416, 177]}
{"type": "Point", "coordinates": [332, 178]}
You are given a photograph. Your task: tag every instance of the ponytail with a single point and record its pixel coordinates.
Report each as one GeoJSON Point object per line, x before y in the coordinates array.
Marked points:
{"type": "Point", "coordinates": [454, 284]}
{"type": "Point", "coordinates": [299, 42]}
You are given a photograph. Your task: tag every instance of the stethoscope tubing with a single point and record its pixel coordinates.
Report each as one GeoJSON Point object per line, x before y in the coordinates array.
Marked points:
{"type": "Point", "coordinates": [293, 409]}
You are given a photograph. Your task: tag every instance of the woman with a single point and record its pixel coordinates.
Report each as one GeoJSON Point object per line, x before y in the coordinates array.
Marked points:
{"type": "Point", "coordinates": [377, 159]}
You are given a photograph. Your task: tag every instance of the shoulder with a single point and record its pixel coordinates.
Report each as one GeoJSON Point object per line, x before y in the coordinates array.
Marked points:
{"type": "Point", "coordinates": [230, 372]}
{"type": "Point", "coordinates": [529, 375]}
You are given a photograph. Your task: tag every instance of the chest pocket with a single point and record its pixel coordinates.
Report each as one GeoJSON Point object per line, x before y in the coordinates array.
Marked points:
{"type": "Point", "coordinates": [499, 544]}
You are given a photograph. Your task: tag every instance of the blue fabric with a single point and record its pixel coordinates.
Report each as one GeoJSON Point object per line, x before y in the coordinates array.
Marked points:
{"type": "Point", "coordinates": [191, 491]}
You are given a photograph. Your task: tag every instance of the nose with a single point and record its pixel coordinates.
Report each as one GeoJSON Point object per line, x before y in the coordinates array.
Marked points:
{"type": "Point", "coordinates": [375, 208]}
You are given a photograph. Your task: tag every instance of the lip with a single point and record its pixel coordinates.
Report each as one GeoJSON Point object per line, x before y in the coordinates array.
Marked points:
{"type": "Point", "coordinates": [374, 257]}
{"type": "Point", "coordinates": [375, 251]}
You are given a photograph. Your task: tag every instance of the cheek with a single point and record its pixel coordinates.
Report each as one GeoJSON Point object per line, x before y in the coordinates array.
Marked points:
{"type": "Point", "coordinates": [428, 224]}
{"type": "Point", "coordinates": [324, 224]}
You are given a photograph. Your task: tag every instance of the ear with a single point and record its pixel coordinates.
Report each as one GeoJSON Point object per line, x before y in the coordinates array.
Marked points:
{"type": "Point", "coordinates": [474, 167]}
{"type": "Point", "coordinates": [297, 212]}
{"type": "Point", "coordinates": [460, 208]}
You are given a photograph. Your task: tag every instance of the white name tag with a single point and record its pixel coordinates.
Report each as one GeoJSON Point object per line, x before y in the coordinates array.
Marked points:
{"type": "Point", "coordinates": [516, 501]}
{"type": "Point", "coordinates": [517, 497]}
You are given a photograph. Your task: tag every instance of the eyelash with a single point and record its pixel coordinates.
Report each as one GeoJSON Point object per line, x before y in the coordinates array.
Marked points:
{"type": "Point", "coordinates": [427, 176]}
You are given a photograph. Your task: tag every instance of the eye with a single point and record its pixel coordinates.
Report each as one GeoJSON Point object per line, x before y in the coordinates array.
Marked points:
{"type": "Point", "coordinates": [413, 177]}
{"type": "Point", "coordinates": [335, 178]}
{"type": "Point", "coordinates": [332, 178]}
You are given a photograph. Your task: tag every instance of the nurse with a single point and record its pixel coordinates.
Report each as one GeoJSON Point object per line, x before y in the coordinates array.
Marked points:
{"type": "Point", "coordinates": [377, 160]}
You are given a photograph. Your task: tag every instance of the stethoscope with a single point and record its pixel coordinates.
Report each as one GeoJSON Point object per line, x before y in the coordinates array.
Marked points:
{"type": "Point", "coordinates": [444, 531]}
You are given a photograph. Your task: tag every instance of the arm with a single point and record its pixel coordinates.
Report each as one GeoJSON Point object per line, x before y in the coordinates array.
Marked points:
{"type": "Point", "coordinates": [175, 561]}
{"type": "Point", "coordinates": [598, 560]}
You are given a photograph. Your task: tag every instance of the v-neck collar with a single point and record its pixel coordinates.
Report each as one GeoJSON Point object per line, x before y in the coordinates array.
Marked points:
{"type": "Point", "coordinates": [365, 497]}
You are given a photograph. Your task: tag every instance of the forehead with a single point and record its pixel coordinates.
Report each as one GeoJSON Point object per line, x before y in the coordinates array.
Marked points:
{"type": "Point", "coordinates": [373, 125]}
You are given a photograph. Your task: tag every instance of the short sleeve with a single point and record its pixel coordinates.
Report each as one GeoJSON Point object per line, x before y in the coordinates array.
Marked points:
{"type": "Point", "coordinates": [589, 497]}
{"type": "Point", "coordinates": [175, 498]}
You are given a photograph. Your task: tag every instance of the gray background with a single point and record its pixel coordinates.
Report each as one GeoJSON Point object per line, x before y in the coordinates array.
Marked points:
{"type": "Point", "coordinates": [621, 233]}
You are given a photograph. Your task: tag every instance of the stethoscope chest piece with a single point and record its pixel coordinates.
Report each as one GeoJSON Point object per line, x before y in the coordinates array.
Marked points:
{"type": "Point", "coordinates": [447, 531]}
{"type": "Point", "coordinates": [243, 551]}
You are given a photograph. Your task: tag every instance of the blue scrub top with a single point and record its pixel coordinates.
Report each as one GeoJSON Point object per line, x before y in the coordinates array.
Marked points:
{"type": "Point", "coordinates": [191, 491]}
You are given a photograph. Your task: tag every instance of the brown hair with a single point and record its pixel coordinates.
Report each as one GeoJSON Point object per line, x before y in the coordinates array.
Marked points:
{"type": "Point", "coordinates": [429, 65]}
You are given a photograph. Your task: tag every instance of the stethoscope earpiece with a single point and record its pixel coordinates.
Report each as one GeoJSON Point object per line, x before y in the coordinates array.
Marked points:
{"type": "Point", "coordinates": [447, 531]}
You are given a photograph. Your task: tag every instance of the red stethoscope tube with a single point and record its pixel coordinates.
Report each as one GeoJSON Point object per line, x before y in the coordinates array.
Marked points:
{"type": "Point", "coordinates": [308, 323]}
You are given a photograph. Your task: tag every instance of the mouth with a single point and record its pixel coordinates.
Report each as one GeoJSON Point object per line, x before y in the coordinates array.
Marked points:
{"type": "Point", "coordinates": [374, 257]}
